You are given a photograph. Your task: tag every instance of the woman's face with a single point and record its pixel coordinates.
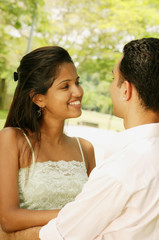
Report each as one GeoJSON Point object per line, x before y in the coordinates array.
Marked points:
{"type": "Point", "coordinates": [63, 99]}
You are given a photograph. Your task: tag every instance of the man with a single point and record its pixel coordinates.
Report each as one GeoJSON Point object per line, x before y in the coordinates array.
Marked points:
{"type": "Point", "coordinates": [120, 201]}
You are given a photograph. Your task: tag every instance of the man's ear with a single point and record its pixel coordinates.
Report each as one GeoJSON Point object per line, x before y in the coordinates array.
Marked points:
{"type": "Point", "coordinates": [38, 99]}
{"type": "Point", "coordinates": [126, 90]}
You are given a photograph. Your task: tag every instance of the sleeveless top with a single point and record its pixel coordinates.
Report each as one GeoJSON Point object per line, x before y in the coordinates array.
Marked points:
{"type": "Point", "coordinates": [51, 184]}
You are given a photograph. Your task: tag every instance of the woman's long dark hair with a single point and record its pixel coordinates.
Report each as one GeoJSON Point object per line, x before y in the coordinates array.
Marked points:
{"type": "Point", "coordinates": [36, 74]}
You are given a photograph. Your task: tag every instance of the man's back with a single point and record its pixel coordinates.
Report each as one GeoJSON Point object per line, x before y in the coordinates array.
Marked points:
{"type": "Point", "coordinates": [136, 167]}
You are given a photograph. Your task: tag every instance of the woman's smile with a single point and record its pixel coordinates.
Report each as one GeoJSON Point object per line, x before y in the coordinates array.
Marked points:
{"type": "Point", "coordinates": [76, 104]}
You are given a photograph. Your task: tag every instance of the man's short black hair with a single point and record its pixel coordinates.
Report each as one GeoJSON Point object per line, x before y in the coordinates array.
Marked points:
{"type": "Point", "coordinates": [140, 66]}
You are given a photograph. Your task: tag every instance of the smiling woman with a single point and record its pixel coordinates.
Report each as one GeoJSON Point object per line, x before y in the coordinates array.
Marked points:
{"type": "Point", "coordinates": [44, 168]}
{"type": "Point", "coordinates": [66, 92]}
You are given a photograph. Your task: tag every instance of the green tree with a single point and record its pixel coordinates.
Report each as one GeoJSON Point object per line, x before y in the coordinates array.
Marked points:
{"type": "Point", "coordinates": [93, 32]}
{"type": "Point", "coordinates": [15, 19]}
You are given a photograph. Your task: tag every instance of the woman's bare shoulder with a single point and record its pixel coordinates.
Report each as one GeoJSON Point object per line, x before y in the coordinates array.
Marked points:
{"type": "Point", "coordinates": [9, 132]}
{"type": "Point", "coordinates": [87, 145]}
{"type": "Point", "coordinates": [10, 135]}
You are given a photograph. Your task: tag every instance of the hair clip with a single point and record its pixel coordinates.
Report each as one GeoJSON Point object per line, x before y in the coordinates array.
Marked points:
{"type": "Point", "coordinates": [15, 76]}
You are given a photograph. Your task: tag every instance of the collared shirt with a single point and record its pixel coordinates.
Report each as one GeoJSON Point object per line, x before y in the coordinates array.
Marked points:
{"type": "Point", "coordinates": [120, 201]}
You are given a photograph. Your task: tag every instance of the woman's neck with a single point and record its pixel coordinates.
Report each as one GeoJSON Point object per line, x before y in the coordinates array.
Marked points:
{"type": "Point", "coordinates": [52, 131]}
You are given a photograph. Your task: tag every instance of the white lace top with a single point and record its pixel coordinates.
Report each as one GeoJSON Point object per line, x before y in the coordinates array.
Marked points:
{"type": "Point", "coordinates": [51, 184]}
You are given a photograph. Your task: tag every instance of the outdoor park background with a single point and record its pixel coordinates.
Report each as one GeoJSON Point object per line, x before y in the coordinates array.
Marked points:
{"type": "Point", "coordinates": [94, 33]}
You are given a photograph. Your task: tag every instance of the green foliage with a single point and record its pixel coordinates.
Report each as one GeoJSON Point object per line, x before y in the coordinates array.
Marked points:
{"type": "Point", "coordinates": [15, 16]}
{"type": "Point", "coordinates": [93, 32]}
{"type": "Point", "coordinates": [3, 114]}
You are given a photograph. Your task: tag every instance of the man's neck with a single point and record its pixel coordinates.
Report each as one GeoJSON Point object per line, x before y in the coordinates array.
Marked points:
{"type": "Point", "coordinates": [140, 118]}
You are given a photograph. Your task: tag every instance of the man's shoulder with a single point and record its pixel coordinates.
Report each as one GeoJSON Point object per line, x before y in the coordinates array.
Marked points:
{"type": "Point", "coordinates": [135, 165]}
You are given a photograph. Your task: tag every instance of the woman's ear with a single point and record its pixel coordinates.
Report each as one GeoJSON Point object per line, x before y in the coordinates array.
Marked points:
{"type": "Point", "coordinates": [38, 99]}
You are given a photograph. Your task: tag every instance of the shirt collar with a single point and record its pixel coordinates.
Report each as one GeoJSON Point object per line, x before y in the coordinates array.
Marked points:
{"type": "Point", "coordinates": [131, 135]}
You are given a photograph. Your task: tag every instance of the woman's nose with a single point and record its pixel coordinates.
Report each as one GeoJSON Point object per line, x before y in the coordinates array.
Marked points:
{"type": "Point", "coordinates": [77, 91]}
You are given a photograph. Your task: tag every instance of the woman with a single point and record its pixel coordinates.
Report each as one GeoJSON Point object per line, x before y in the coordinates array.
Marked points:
{"type": "Point", "coordinates": [41, 168]}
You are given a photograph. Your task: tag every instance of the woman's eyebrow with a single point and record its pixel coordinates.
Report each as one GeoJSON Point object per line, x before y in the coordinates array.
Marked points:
{"type": "Point", "coordinates": [66, 80]}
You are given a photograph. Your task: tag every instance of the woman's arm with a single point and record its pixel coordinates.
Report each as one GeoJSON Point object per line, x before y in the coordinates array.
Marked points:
{"type": "Point", "coordinates": [27, 234]}
{"type": "Point", "coordinates": [12, 217]}
{"type": "Point", "coordinates": [89, 155]}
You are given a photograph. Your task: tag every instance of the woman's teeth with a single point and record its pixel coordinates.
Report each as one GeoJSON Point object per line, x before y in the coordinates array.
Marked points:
{"type": "Point", "coordinates": [75, 103]}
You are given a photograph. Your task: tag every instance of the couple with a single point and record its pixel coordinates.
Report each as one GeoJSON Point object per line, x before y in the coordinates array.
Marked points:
{"type": "Point", "coordinates": [120, 200]}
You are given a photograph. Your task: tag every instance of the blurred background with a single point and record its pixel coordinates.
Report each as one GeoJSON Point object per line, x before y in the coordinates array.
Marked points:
{"type": "Point", "coordinates": [93, 32]}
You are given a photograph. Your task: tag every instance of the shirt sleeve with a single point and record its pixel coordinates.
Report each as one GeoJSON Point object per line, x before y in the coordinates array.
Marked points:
{"type": "Point", "coordinates": [100, 202]}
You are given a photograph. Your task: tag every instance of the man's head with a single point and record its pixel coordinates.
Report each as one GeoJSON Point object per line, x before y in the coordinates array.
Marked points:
{"type": "Point", "coordinates": [140, 67]}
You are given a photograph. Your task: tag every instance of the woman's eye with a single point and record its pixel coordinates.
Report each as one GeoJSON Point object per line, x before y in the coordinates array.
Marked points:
{"type": "Point", "coordinates": [65, 87]}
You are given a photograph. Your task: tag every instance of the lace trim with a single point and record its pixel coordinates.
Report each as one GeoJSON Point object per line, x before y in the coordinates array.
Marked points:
{"type": "Point", "coordinates": [51, 185]}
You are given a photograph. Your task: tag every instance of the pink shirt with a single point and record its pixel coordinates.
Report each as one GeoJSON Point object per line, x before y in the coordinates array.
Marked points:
{"type": "Point", "coordinates": [120, 201]}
